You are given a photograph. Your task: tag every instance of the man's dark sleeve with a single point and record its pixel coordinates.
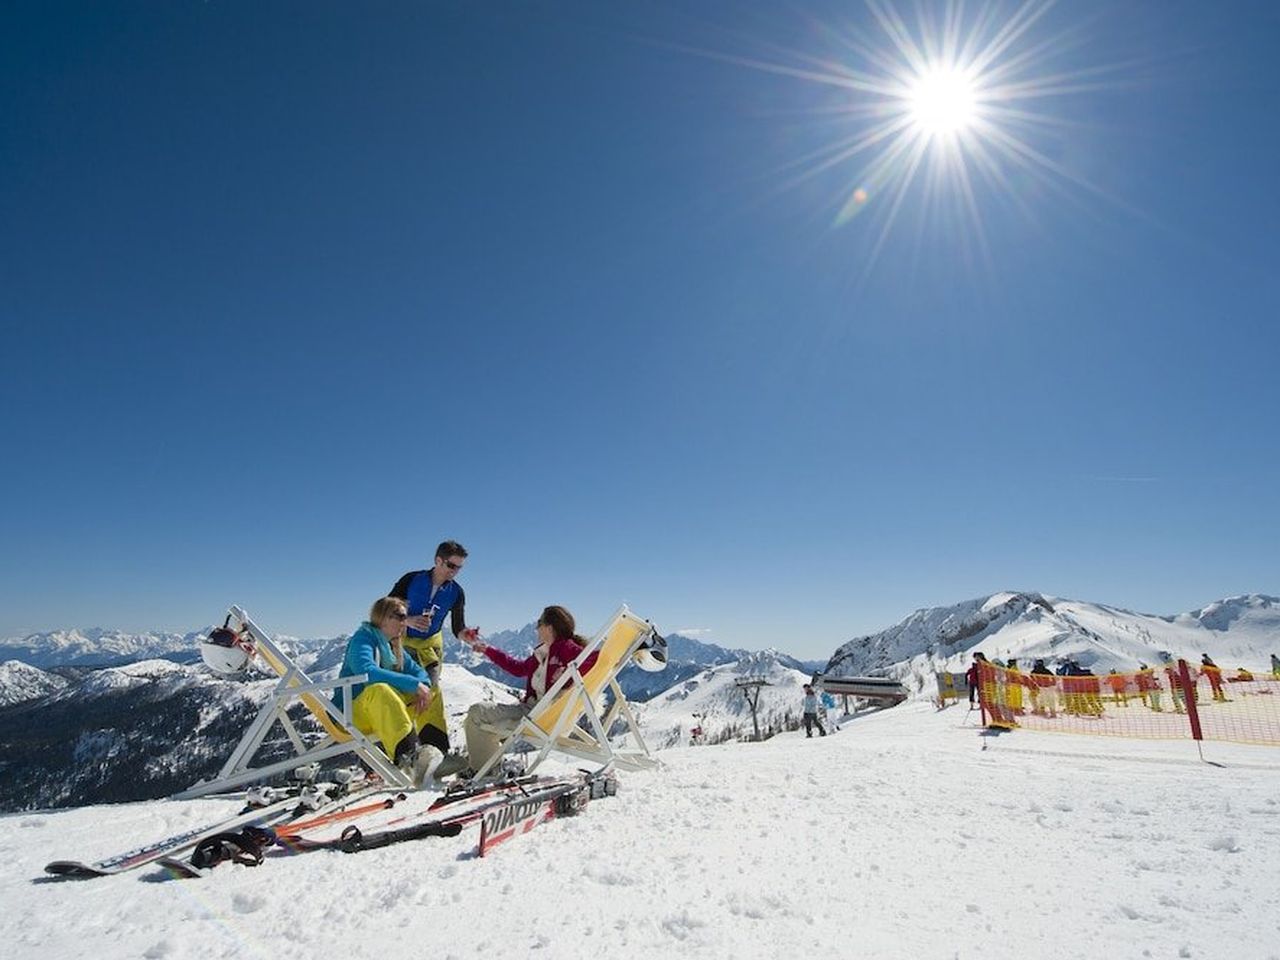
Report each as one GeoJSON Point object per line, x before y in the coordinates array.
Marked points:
{"type": "Point", "coordinates": [401, 589]}
{"type": "Point", "coordinates": [459, 621]}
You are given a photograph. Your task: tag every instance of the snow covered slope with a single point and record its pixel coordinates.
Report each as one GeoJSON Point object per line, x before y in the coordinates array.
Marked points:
{"type": "Point", "coordinates": [722, 708]}
{"type": "Point", "coordinates": [1240, 631]}
{"type": "Point", "coordinates": [908, 835]}
{"type": "Point", "coordinates": [20, 682]}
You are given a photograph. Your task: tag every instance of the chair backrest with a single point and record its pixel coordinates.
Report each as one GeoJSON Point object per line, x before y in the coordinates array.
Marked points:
{"type": "Point", "coordinates": [616, 642]}
{"type": "Point", "coordinates": [281, 664]}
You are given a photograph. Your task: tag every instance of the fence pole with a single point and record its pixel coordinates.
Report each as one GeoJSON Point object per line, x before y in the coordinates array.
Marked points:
{"type": "Point", "coordinates": [1189, 697]}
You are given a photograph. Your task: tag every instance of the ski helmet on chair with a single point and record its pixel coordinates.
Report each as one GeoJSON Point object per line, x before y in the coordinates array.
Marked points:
{"type": "Point", "coordinates": [225, 651]}
{"type": "Point", "coordinates": [651, 655]}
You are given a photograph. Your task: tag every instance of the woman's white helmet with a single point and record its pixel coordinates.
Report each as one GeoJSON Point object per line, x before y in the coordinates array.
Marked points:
{"type": "Point", "coordinates": [651, 655]}
{"type": "Point", "coordinates": [225, 651]}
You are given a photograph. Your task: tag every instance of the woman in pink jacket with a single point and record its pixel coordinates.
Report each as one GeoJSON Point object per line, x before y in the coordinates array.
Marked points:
{"type": "Point", "coordinates": [488, 724]}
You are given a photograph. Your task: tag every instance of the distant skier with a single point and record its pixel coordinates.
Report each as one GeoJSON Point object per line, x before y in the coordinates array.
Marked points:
{"type": "Point", "coordinates": [1275, 667]}
{"type": "Point", "coordinates": [971, 679]}
{"type": "Point", "coordinates": [1015, 680]}
{"type": "Point", "coordinates": [1119, 685]}
{"type": "Point", "coordinates": [1214, 673]}
{"type": "Point", "coordinates": [828, 704]}
{"type": "Point", "coordinates": [1176, 693]}
{"type": "Point", "coordinates": [430, 595]}
{"type": "Point", "coordinates": [1148, 687]}
{"type": "Point", "coordinates": [1044, 690]}
{"type": "Point", "coordinates": [811, 713]}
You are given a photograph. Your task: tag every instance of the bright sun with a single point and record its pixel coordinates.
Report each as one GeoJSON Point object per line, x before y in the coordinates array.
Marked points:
{"type": "Point", "coordinates": [946, 102]}
{"type": "Point", "coordinates": [941, 101]}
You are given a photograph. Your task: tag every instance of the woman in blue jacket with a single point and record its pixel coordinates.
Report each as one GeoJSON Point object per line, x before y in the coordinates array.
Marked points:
{"type": "Point", "coordinates": [392, 706]}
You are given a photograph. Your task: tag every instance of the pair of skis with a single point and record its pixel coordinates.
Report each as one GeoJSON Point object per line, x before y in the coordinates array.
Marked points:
{"type": "Point", "coordinates": [505, 810]}
{"type": "Point", "coordinates": [282, 805]}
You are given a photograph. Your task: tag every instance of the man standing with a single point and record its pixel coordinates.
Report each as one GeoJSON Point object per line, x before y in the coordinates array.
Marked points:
{"type": "Point", "coordinates": [972, 679]}
{"type": "Point", "coordinates": [430, 596]}
{"type": "Point", "coordinates": [811, 712]}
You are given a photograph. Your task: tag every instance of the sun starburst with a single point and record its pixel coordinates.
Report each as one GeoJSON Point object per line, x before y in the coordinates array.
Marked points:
{"type": "Point", "coordinates": [954, 105]}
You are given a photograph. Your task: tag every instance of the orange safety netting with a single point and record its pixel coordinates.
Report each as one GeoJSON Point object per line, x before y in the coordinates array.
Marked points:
{"type": "Point", "coordinates": [1174, 701]}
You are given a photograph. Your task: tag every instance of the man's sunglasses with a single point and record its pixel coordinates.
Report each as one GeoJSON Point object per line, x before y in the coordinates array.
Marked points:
{"type": "Point", "coordinates": [455, 567]}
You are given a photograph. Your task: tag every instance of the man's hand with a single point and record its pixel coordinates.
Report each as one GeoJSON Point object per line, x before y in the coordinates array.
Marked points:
{"type": "Point", "coordinates": [421, 623]}
{"type": "Point", "coordinates": [422, 697]}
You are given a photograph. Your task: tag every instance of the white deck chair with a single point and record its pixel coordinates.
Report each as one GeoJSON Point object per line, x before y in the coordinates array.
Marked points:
{"type": "Point", "coordinates": [553, 722]}
{"type": "Point", "coordinates": [342, 737]}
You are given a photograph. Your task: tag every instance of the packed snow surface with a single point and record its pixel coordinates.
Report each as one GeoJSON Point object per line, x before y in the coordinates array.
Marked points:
{"type": "Point", "coordinates": [912, 834]}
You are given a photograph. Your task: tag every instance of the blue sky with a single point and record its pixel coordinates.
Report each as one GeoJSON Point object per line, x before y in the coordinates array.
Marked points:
{"type": "Point", "coordinates": [290, 292]}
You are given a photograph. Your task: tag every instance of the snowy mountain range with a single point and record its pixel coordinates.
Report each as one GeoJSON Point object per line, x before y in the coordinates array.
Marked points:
{"type": "Point", "coordinates": [1238, 631]}
{"type": "Point", "coordinates": [96, 647]}
{"type": "Point", "coordinates": [685, 658]}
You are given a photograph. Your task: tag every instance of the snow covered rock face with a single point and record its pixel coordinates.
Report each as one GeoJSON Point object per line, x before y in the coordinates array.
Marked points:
{"type": "Point", "coordinates": [1255, 612]}
{"type": "Point", "coordinates": [125, 733]}
{"type": "Point", "coordinates": [1240, 631]}
{"type": "Point", "coordinates": [20, 682]}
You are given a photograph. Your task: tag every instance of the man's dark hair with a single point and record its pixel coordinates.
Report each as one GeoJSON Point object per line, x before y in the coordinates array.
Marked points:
{"type": "Point", "coordinates": [450, 548]}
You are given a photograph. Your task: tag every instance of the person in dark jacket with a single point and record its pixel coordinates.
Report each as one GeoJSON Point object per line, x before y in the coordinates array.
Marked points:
{"type": "Point", "coordinates": [430, 596]}
{"type": "Point", "coordinates": [971, 679]}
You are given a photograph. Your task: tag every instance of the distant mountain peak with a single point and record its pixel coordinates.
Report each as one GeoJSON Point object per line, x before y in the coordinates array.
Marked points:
{"type": "Point", "coordinates": [1028, 625]}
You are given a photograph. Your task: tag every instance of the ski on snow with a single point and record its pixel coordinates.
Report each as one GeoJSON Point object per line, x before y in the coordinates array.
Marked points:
{"type": "Point", "coordinates": [296, 804]}
{"type": "Point", "coordinates": [518, 815]}
{"type": "Point", "coordinates": [246, 846]}
{"type": "Point", "coordinates": [504, 810]}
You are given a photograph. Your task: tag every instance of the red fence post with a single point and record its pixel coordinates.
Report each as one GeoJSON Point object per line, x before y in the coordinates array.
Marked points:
{"type": "Point", "coordinates": [984, 677]}
{"type": "Point", "coordinates": [1189, 696]}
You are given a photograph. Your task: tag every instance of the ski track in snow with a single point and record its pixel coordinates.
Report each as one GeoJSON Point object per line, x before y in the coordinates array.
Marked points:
{"type": "Point", "coordinates": [910, 834]}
